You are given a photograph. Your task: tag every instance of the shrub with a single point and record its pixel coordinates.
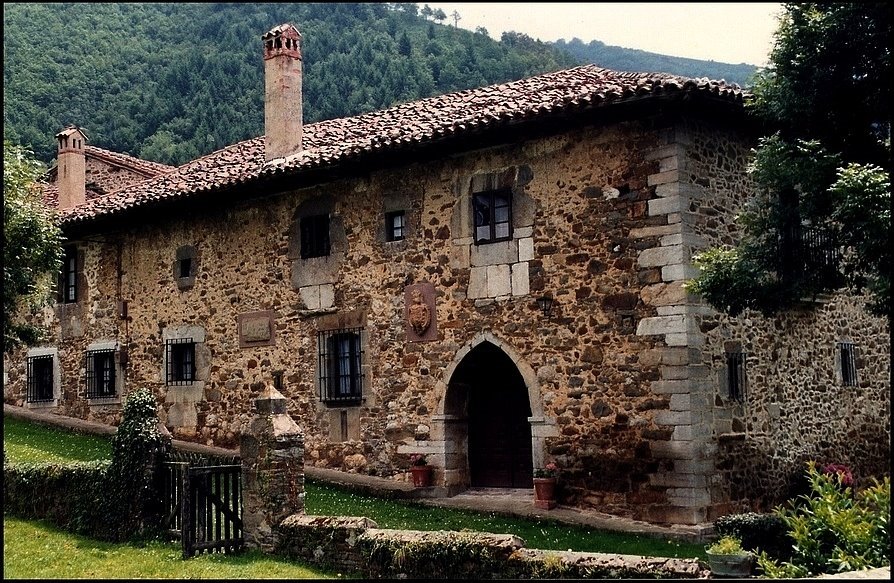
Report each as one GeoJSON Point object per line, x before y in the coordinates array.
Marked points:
{"type": "Point", "coordinates": [834, 528]}
{"type": "Point", "coordinates": [758, 532]}
{"type": "Point", "coordinates": [110, 499]}
{"type": "Point", "coordinates": [727, 545]}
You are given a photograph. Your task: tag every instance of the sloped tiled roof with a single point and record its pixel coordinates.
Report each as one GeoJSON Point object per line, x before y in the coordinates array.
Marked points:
{"type": "Point", "coordinates": [145, 168]}
{"type": "Point", "coordinates": [330, 142]}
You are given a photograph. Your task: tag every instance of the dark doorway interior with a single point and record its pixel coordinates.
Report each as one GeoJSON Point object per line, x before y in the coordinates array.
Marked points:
{"type": "Point", "coordinates": [498, 410]}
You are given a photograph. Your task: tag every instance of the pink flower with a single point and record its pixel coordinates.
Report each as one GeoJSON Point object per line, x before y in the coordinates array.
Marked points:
{"type": "Point", "coordinates": [843, 473]}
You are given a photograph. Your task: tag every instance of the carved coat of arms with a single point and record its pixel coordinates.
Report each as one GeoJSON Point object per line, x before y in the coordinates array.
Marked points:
{"type": "Point", "coordinates": [418, 314]}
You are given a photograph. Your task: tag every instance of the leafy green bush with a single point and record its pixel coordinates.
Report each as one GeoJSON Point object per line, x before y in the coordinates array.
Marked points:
{"type": "Point", "coordinates": [758, 532]}
{"type": "Point", "coordinates": [110, 499]}
{"type": "Point", "coordinates": [834, 528]}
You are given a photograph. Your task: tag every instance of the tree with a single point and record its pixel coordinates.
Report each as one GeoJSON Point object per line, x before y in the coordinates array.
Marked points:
{"type": "Point", "coordinates": [821, 219]}
{"type": "Point", "coordinates": [31, 244]}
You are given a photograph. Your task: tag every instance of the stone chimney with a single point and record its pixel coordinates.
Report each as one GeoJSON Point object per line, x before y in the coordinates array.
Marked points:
{"type": "Point", "coordinates": [283, 123]}
{"type": "Point", "coordinates": [71, 168]}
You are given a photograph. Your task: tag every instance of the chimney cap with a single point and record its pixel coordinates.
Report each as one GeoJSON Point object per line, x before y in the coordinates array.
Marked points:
{"type": "Point", "coordinates": [287, 30]}
{"type": "Point", "coordinates": [71, 129]}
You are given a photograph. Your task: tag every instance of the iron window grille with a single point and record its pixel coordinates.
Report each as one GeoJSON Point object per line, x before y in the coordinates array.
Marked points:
{"type": "Point", "coordinates": [181, 361]}
{"type": "Point", "coordinates": [735, 375]}
{"type": "Point", "coordinates": [847, 355]}
{"type": "Point", "coordinates": [315, 236]}
{"type": "Point", "coordinates": [70, 275]}
{"type": "Point", "coordinates": [810, 255]}
{"type": "Point", "coordinates": [493, 216]}
{"type": "Point", "coordinates": [100, 366]}
{"type": "Point", "coordinates": [395, 226]}
{"type": "Point", "coordinates": [40, 379]}
{"type": "Point", "coordinates": [340, 365]}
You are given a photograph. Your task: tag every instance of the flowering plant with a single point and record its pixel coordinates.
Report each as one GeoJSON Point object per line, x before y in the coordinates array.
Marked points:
{"type": "Point", "coordinates": [418, 459]}
{"type": "Point", "coordinates": [839, 471]}
{"type": "Point", "coordinates": [548, 471]}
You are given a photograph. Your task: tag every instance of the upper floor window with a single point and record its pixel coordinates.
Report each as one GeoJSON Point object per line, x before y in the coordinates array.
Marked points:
{"type": "Point", "coordinates": [180, 361]}
{"type": "Point", "coordinates": [340, 365]}
{"type": "Point", "coordinates": [100, 365]}
{"type": "Point", "coordinates": [492, 212]}
{"type": "Point", "coordinates": [185, 266]}
{"type": "Point", "coordinates": [314, 236]}
{"type": "Point", "coordinates": [69, 284]}
{"type": "Point", "coordinates": [847, 358]}
{"type": "Point", "coordinates": [40, 378]}
{"type": "Point", "coordinates": [395, 225]}
{"type": "Point", "coordinates": [735, 375]}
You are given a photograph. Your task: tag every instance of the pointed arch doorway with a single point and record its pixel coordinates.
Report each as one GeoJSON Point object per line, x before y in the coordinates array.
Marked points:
{"type": "Point", "coordinates": [488, 390]}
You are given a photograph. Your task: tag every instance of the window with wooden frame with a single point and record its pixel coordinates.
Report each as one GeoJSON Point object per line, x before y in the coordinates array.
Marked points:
{"type": "Point", "coordinates": [101, 377]}
{"type": "Point", "coordinates": [340, 366]}
{"type": "Point", "coordinates": [735, 375]}
{"type": "Point", "coordinates": [40, 379]}
{"type": "Point", "coordinates": [395, 226]}
{"type": "Point", "coordinates": [180, 359]}
{"type": "Point", "coordinates": [847, 356]}
{"type": "Point", "coordinates": [315, 236]}
{"type": "Point", "coordinates": [492, 212]}
{"type": "Point", "coordinates": [68, 285]}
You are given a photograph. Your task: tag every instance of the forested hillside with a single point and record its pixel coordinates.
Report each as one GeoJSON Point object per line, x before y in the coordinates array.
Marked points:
{"type": "Point", "coordinates": [171, 82]}
{"type": "Point", "coordinates": [636, 60]}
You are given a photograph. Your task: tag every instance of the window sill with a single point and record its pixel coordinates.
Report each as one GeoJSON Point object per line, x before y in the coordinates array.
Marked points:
{"type": "Point", "coordinates": [99, 401]}
{"type": "Point", "coordinates": [42, 404]}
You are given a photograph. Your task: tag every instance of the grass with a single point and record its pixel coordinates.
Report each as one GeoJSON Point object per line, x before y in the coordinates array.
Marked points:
{"type": "Point", "coordinates": [329, 500]}
{"type": "Point", "coordinates": [25, 441]}
{"type": "Point", "coordinates": [35, 550]}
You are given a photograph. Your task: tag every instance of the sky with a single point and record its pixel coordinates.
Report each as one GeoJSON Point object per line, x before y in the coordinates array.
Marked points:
{"type": "Point", "coordinates": [727, 32]}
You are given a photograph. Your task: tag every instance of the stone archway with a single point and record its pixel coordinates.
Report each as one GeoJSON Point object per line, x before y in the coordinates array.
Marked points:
{"type": "Point", "coordinates": [490, 418]}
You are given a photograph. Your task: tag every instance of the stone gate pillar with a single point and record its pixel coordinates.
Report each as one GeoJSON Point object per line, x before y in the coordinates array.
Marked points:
{"type": "Point", "coordinates": [272, 451]}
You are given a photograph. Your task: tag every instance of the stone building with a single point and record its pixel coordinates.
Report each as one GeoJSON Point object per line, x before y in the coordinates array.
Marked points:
{"type": "Point", "coordinates": [492, 277]}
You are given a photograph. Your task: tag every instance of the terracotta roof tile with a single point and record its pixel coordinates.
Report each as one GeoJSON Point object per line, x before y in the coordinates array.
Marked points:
{"type": "Point", "coordinates": [338, 140]}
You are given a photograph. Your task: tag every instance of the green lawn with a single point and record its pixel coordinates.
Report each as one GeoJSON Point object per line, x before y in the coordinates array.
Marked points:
{"type": "Point", "coordinates": [35, 550]}
{"type": "Point", "coordinates": [24, 441]}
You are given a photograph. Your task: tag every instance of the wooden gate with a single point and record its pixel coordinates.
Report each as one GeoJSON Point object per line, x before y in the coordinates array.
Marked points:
{"type": "Point", "coordinates": [203, 506]}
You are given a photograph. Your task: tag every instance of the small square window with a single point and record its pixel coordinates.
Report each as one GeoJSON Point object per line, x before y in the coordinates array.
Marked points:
{"type": "Point", "coordinates": [180, 361]}
{"type": "Point", "coordinates": [100, 366]}
{"type": "Point", "coordinates": [395, 226]}
{"type": "Point", "coordinates": [493, 216]}
{"type": "Point", "coordinates": [735, 375]}
{"type": "Point", "coordinates": [185, 267]}
{"type": "Point", "coordinates": [847, 357]}
{"type": "Point", "coordinates": [314, 236]}
{"type": "Point", "coordinates": [40, 379]}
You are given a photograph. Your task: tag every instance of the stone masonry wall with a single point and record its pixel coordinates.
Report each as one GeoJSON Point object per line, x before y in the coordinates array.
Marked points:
{"type": "Point", "coordinates": [795, 408]}
{"type": "Point", "coordinates": [619, 388]}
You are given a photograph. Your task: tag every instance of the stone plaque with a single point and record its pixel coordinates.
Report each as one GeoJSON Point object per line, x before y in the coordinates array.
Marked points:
{"type": "Point", "coordinates": [256, 329]}
{"type": "Point", "coordinates": [419, 313]}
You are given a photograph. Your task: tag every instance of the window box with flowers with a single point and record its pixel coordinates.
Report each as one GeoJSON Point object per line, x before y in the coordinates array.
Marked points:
{"type": "Point", "coordinates": [421, 470]}
{"type": "Point", "coordinates": [545, 486]}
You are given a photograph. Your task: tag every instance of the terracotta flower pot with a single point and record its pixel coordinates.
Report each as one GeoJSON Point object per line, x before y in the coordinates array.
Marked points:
{"type": "Point", "coordinates": [545, 493]}
{"type": "Point", "coordinates": [421, 476]}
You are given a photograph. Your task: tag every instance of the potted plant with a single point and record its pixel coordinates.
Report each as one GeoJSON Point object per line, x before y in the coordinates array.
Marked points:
{"type": "Point", "coordinates": [727, 558]}
{"type": "Point", "coordinates": [545, 486]}
{"type": "Point", "coordinates": [421, 470]}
